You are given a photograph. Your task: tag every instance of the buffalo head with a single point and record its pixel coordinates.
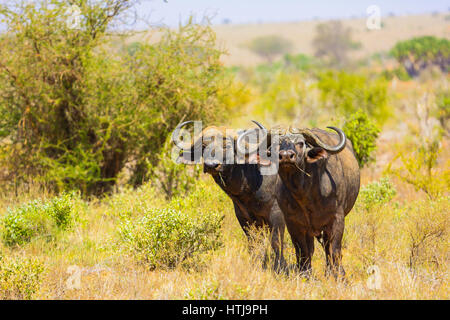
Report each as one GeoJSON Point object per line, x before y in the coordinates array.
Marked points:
{"type": "Point", "coordinates": [300, 146]}
{"type": "Point", "coordinates": [296, 146]}
{"type": "Point", "coordinates": [217, 147]}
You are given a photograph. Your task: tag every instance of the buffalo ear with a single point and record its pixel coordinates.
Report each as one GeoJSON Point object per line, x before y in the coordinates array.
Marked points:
{"type": "Point", "coordinates": [255, 158]}
{"type": "Point", "coordinates": [316, 154]}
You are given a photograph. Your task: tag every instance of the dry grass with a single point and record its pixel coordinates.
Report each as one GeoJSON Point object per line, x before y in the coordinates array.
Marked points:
{"type": "Point", "coordinates": [233, 272]}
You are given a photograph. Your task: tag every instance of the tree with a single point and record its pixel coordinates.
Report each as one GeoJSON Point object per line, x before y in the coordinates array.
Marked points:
{"type": "Point", "coordinates": [76, 111]}
{"type": "Point", "coordinates": [269, 47]}
{"type": "Point", "coordinates": [419, 53]}
{"type": "Point", "coordinates": [333, 42]}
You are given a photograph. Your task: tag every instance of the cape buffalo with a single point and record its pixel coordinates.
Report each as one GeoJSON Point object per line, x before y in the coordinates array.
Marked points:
{"type": "Point", "coordinates": [321, 181]}
{"type": "Point", "coordinates": [253, 194]}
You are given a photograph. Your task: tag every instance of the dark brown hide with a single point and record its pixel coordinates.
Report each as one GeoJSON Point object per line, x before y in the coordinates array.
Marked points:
{"type": "Point", "coordinates": [318, 190]}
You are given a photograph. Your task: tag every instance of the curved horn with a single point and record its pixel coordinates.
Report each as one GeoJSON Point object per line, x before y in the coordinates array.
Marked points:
{"type": "Point", "coordinates": [308, 134]}
{"type": "Point", "coordinates": [239, 140]}
{"type": "Point", "coordinates": [245, 133]}
{"type": "Point", "coordinates": [259, 125]}
{"type": "Point", "coordinates": [342, 140]}
{"type": "Point", "coordinates": [176, 134]}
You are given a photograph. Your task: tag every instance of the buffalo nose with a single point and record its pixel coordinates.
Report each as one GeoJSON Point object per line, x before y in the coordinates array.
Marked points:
{"type": "Point", "coordinates": [287, 156]}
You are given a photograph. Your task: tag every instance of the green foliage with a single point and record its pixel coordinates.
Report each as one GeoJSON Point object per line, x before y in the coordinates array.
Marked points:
{"type": "Point", "coordinates": [363, 133]}
{"type": "Point", "coordinates": [165, 235]}
{"type": "Point", "coordinates": [333, 42]}
{"type": "Point", "coordinates": [38, 219]}
{"type": "Point", "coordinates": [399, 72]}
{"type": "Point", "coordinates": [419, 53]}
{"type": "Point", "coordinates": [165, 238]}
{"type": "Point", "coordinates": [20, 278]}
{"type": "Point", "coordinates": [376, 194]}
{"type": "Point", "coordinates": [346, 93]}
{"type": "Point", "coordinates": [283, 96]}
{"type": "Point", "coordinates": [299, 62]}
{"type": "Point", "coordinates": [269, 46]}
{"type": "Point", "coordinates": [76, 111]}
{"type": "Point", "coordinates": [172, 178]}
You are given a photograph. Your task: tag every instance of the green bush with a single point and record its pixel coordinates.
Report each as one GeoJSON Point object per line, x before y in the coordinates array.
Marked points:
{"type": "Point", "coordinates": [376, 194]}
{"type": "Point", "coordinates": [38, 219]}
{"type": "Point", "coordinates": [299, 62]}
{"type": "Point", "coordinates": [269, 46]}
{"type": "Point", "coordinates": [165, 235]}
{"type": "Point", "coordinates": [76, 110]}
{"type": "Point", "coordinates": [20, 278]}
{"type": "Point", "coordinates": [363, 133]}
{"type": "Point", "coordinates": [165, 238]}
{"type": "Point", "coordinates": [346, 93]}
{"type": "Point", "coordinates": [399, 72]}
{"type": "Point", "coordinates": [419, 53]}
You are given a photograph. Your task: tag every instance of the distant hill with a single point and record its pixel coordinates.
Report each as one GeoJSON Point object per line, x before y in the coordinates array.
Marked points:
{"type": "Point", "coordinates": [233, 38]}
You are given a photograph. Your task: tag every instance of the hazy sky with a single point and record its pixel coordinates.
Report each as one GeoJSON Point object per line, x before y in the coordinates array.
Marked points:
{"type": "Point", "coordinates": [245, 11]}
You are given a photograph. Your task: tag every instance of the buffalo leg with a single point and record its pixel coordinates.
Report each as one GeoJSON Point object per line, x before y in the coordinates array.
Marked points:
{"type": "Point", "coordinates": [332, 242]}
{"type": "Point", "coordinates": [277, 236]}
{"type": "Point", "coordinates": [304, 249]}
{"type": "Point", "coordinates": [277, 226]}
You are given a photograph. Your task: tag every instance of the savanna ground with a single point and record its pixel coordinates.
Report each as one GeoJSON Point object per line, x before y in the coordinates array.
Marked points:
{"type": "Point", "coordinates": [396, 242]}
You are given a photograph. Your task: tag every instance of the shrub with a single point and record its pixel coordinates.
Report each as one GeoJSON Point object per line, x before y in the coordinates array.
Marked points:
{"type": "Point", "coordinates": [346, 93]}
{"type": "Point", "coordinates": [418, 168]}
{"type": "Point", "coordinates": [269, 46]}
{"type": "Point", "coordinates": [419, 53]}
{"type": "Point", "coordinates": [172, 178]}
{"type": "Point", "coordinates": [363, 133]}
{"type": "Point", "coordinates": [166, 238]}
{"type": "Point", "coordinates": [20, 278]}
{"type": "Point", "coordinates": [38, 219]}
{"type": "Point", "coordinates": [376, 194]}
{"type": "Point", "coordinates": [76, 110]}
{"type": "Point", "coordinates": [299, 62]}
{"type": "Point", "coordinates": [398, 72]}
{"type": "Point", "coordinates": [333, 42]}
